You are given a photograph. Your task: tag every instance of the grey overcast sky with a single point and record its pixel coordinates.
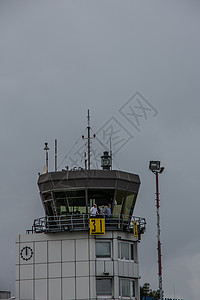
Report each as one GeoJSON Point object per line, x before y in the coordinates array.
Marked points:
{"type": "Point", "coordinates": [59, 58]}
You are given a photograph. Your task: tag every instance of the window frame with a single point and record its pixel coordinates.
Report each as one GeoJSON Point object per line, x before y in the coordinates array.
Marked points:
{"type": "Point", "coordinates": [131, 287]}
{"type": "Point", "coordinates": [104, 256]}
{"type": "Point", "coordinates": [106, 295]}
{"type": "Point", "coordinates": [131, 251]}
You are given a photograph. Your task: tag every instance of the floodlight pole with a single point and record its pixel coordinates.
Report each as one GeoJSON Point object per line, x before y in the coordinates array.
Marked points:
{"type": "Point", "coordinates": [158, 238]}
{"type": "Point", "coordinates": [156, 169]}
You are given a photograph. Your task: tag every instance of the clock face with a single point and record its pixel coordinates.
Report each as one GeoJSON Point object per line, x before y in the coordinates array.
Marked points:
{"type": "Point", "coordinates": [26, 253]}
{"type": "Point", "coordinates": [106, 161]}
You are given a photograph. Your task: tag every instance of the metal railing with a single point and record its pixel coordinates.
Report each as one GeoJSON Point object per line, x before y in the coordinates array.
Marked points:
{"type": "Point", "coordinates": [79, 222]}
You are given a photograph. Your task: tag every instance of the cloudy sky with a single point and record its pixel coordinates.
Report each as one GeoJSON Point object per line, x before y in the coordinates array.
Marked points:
{"type": "Point", "coordinates": [136, 66]}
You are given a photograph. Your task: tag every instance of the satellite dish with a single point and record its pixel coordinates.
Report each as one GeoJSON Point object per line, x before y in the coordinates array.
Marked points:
{"type": "Point", "coordinates": [45, 170]}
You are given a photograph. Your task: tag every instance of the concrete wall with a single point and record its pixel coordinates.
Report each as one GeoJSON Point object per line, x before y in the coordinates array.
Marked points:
{"type": "Point", "coordinates": [63, 266]}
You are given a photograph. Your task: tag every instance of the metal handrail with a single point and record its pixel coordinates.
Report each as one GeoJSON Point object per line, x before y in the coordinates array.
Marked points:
{"type": "Point", "coordinates": [78, 222]}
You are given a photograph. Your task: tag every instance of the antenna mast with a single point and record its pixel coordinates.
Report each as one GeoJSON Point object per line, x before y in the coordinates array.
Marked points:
{"type": "Point", "coordinates": [88, 155]}
{"type": "Point", "coordinates": [88, 139]}
{"type": "Point", "coordinates": [111, 151]}
{"type": "Point", "coordinates": [56, 155]}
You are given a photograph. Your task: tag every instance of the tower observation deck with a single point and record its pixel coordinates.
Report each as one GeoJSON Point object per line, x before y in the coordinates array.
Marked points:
{"type": "Point", "coordinates": [68, 196]}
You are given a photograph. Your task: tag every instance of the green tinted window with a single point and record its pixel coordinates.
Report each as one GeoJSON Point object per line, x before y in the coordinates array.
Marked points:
{"type": "Point", "coordinates": [72, 202]}
{"type": "Point", "coordinates": [128, 205]}
{"type": "Point", "coordinates": [118, 202]}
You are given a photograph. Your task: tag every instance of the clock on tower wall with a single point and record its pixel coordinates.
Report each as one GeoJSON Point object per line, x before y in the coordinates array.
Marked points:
{"type": "Point", "coordinates": [26, 253]}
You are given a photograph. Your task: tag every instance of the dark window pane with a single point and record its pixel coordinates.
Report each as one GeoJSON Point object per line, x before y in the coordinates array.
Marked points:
{"type": "Point", "coordinates": [104, 287]}
{"type": "Point", "coordinates": [76, 200]}
{"type": "Point", "coordinates": [125, 291]}
{"type": "Point", "coordinates": [132, 252]}
{"type": "Point", "coordinates": [125, 250]}
{"type": "Point", "coordinates": [70, 202]}
{"type": "Point", "coordinates": [103, 249]}
{"type": "Point", "coordinates": [100, 197]}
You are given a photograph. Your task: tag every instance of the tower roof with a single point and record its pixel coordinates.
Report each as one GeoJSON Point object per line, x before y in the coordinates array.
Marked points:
{"type": "Point", "coordinates": [82, 179]}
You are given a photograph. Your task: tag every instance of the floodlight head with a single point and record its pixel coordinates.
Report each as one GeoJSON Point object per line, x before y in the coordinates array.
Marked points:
{"type": "Point", "coordinates": [154, 166]}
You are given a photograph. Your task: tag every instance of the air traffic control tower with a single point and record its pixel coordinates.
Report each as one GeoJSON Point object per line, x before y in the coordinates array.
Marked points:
{"type": "Point", "coordinates": [71, 253]}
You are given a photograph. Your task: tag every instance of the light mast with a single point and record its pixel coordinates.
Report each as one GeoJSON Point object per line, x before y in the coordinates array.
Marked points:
{"type": "Point", "coordinates": [155, 167]}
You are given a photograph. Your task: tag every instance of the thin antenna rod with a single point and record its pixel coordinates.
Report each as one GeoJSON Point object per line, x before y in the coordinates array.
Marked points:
{"type": "Point", "coordinates": [56, 155]}
{"type": "Point", "coordinates": [85, 161]}
{"type": "Point", "coordinates": [111, 151]}
{"type": "Point", "coordinates": [88, 139]}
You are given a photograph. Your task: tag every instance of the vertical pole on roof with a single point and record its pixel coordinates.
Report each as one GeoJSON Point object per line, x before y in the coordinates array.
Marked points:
{"type": "Point", "coordinates": [56, 155]}
{"type": "Point", "coordinates": [88, 139]}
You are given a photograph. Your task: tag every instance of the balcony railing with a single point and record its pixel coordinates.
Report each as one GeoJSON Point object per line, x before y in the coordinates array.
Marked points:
{"type": "Point", "coordinates": [81, 222]}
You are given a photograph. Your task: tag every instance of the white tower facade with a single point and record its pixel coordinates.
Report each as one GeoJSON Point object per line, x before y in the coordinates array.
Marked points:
{"type": "Point", "coordinates": [70, 254]}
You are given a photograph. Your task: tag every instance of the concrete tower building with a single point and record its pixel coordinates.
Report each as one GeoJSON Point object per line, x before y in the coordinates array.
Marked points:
{"type": "Point", "coordinates": [78, 253]}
